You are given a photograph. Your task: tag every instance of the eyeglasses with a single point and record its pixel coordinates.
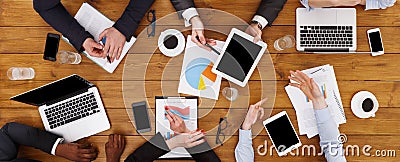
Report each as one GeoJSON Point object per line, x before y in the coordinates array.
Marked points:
{"type": "Point", "coordinates": [223, 124]}
{"type": "Point", "coordinates": [151, 17]}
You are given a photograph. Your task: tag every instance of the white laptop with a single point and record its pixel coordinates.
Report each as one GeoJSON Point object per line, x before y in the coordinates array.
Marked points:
{"type": "Point", "coordinates": [326, 30]}
{"type": "Point", "coordinates": [70, 107]}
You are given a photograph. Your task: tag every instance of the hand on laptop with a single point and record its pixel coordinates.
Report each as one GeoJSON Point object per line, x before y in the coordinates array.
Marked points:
{"type": "Point", "coordinates": [176, 123]}
{"type": "Point", "coordinates": [187, 140]}
{"type": "Point", "coordinates": [198, 30]}
{"type": "Point", "coordinates": [252, 114]}
{"type": "Point", "coordinates": [114, 147]}
{"type": "Point", "coordinates": [309, 88]}
{"type": "Point", "coordinates": [77, 152]}
{"type": "Point", "coordinates": [93, 48]}
{"type": "Point", "coordinates": [114, 44]}
{"type": "Point", "coordinates": [254, 31]}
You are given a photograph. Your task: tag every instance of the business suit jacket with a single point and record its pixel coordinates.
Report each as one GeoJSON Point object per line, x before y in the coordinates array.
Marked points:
{"type": "Point", "coordinates": [55, 14]}
{"type": "Point", "coordinates": [156, 147]}
{"type": "Point", "coordinates": [269, 9]}
{"type": "Point", "coordinates": [12, 135]}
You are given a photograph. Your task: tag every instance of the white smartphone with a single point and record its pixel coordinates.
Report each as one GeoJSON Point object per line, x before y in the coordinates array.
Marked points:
{"type": "Point", "coordinates": [375, 42]}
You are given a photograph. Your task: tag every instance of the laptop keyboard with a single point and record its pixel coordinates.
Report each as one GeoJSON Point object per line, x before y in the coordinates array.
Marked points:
{"type": "Point", "coordinates": [326, 36]}
{"type": "Point", "coordinates": [72, 110]}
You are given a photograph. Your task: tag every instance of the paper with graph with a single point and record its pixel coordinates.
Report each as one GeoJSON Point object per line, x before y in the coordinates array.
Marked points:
{"type": "Point", "coordinates": [325, 77]}
{"type": "Point", "coordinates": [196, 77]}
{"type": "Point", "coordinates": [186, 108]}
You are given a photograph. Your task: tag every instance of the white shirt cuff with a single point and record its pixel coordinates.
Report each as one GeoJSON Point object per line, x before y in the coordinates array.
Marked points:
{"type": "Point", "coordinates": [245, 137]}
{"type": "Point", "coordinates": [263, 22]}
{"type": "Point", "coordinates": [188, 14]}
{"type": "Point", "coordinates": [53, 150]}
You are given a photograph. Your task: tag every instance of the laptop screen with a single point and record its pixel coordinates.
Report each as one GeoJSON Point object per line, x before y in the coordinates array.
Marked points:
{"type": "Point", "coordinates": [53, 91]}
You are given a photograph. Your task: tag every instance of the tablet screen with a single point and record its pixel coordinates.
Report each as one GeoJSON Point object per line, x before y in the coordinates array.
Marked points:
{"type": "Point", "coordinates": [282, 133]}
{"type": "Point", "coordinates": [239, 57]}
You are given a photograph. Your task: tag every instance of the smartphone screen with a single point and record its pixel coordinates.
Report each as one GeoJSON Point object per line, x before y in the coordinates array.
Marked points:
{"type": "Point", "coordinates": [141, 117]}
{"type": "Point", "coordinates": [51, 48]}
{"type": "Point", "coordinates": [375, 41]}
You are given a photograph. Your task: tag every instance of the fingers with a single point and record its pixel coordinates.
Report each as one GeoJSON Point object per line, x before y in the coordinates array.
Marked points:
{"type": "Point", "coordinates": [261, 112]}
{"type": "Point", "coordinates": [171, 121]}
{"type": "Point", "coordinates": [200, 33]}
{"type": "Point", "coordinates": [102, 34]}
{"type": "Point", "coordinates": [294, 85]}
{"type": "Point", "coordinates": [195, 143]}
{"type": "Point", "coordinates": [296, 77]}
{"type": "Point", "coordinates": [211, 42]}
{"type": "Point", "coordinates": [119, 52]}
{"type": "Point", "coordinates": [196, 136]}
{"type": "Point", "coordinates": [259, 103]}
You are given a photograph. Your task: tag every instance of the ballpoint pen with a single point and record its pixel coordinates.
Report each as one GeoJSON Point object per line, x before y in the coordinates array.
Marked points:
{"type": "Point", "coordinates": [209, 46]}
{"type": "Point", "coordinates": [103, 42]}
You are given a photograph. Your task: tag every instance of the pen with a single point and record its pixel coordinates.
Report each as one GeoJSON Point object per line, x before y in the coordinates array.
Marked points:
{"type": "Point", "coordinates": [103, 42]}
{"type": "Point", "coordinates": [209, 46]}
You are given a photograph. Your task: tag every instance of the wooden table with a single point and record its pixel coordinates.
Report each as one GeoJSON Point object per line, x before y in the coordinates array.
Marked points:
{"type": "Point", "coordinates": [23, 37]}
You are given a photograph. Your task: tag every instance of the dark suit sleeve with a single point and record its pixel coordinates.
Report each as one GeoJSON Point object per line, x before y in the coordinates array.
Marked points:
{"type": "Point", "coordinates": [55, 14]}
{"type": "Point", "coordinates": [199, 154]}
{"type": "Point", "coordinates": [30, 136]}
{"type": "Point", "coordinates": [130, 19]}
{"type": "Point", "coordinates": [150, 150]}
{"type": "Point", "coordinates": [181, 5]}
{"type": "Point", "coordinates": [269, 9]}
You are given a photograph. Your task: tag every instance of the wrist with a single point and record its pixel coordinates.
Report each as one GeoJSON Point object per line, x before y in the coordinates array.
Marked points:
{"type": "Point", "coordinates": [246, 125]}
{"type": "Point", "coordinates": [256, 24]}
{"type": "Point", "coordinates": [171, 145]}
{"type": "Point", "coordinates": [60, 149]}
{"type": "Point", "coordinates": [194, 19]}
{"type": "Point", "coordinates": [319, 103]}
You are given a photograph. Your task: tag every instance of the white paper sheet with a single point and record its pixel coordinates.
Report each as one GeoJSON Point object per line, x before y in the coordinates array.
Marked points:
{"type": "Point", "coordinates": [95, 22]}
{"type": "Point", "coordinates": [196, 77]}
{"type": "Point", "coordinates": [325, 77]}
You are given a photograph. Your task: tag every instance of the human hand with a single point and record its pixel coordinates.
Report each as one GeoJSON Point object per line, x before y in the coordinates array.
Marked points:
{"type": "Point", "coordinates": [349, 3]}
{"type": "Point", "coordinates": [198, 34]}
{"type": "Point", "coordinates": [114, 147]}
{"type": "Point", "coordinates": [77, 152]}
{"type": "Point", "coordinates": [252, 114]}
{"type": "Point", "coordinates": [115, 42]}
{"type": "Point", "coordinates": [93, 48]}
{"type": "Point", "coordinates": [187, 140]}
{"type": "Point", "coordinates": [176, 123]}
{"type": "Point", "coordinates": [309, 88]}
{"type": "Point", "coordinates": [254, 31]}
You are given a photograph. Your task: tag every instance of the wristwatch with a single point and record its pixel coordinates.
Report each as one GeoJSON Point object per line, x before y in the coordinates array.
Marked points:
{"type": "Point", "coordinates": [258, 24]}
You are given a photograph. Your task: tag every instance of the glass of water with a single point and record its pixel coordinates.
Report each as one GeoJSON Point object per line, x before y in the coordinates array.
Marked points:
{"type": "Point", "coordinates": [67, 57]}
{"type": "Point", "coordinates": [288, 41]}
{"type": "Point", "coordinates": [230, 94]}
{"type": "Point", "coordinates": [20, 73]}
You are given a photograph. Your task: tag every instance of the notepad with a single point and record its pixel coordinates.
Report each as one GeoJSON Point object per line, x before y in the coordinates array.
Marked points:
{"type": "Point", "coordinates": [95, 22]}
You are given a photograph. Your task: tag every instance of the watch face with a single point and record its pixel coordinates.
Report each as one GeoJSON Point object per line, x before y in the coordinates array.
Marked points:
{"type": "Point", "coordinates": [258, 24]}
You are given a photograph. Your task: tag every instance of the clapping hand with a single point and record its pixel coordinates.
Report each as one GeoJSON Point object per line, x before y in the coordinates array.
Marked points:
{"type": "Point", "coordinates": [309, 88]}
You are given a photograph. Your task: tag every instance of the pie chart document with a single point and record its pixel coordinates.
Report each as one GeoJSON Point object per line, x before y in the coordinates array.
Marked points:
{"type": "Point", "coordinates": [196, 77]}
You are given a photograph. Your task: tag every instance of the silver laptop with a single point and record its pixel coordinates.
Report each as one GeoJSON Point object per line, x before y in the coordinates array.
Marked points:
{"type": "Point", "coordinates": [326, 30]}
{"type": "Point", "coordinates": [70, 107]}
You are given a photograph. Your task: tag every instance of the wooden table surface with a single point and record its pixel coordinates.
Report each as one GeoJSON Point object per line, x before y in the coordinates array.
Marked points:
{"type": "Point", "coordinates": [22, 40]}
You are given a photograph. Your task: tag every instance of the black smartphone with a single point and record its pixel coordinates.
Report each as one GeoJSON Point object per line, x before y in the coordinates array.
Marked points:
{"type": "Point", "coordinates": [141, 116]}
{"type": "Point", "coordinates": [51, 48]}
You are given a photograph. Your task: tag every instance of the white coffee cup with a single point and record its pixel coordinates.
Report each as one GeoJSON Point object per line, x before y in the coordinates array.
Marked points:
{"type": "Point", "coordinates": [364, 104]}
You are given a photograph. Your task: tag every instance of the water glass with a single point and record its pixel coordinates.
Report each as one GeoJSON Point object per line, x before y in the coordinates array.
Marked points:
{"type": "Point", "coordinates": [288, 41]}
{"type": "Point", "coordinates": [20, 73]}
{"type": "Point", "coordinates": [67, 57]}
{"type": "Point", "coordinates": [230, 94]}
